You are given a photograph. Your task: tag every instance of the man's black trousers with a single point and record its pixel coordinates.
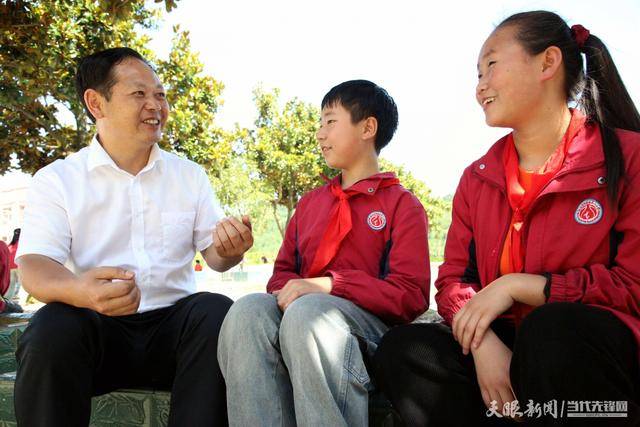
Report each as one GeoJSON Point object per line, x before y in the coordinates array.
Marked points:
{"type": "Point", "coordinates": [69, 354]}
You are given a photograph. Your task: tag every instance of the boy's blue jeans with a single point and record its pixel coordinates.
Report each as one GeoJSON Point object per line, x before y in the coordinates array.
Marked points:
{"type": "Point", "coordinates": [302, 367]}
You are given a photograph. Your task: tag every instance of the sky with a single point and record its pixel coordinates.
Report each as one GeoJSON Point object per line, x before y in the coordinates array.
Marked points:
{"type": "Point", "coordinates": [423, 53]}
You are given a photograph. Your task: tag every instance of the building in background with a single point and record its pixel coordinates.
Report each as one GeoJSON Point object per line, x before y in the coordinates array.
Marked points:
{"type": "Point", "coordinates": [13, 196]}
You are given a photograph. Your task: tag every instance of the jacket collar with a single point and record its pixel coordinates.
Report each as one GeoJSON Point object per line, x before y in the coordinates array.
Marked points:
{"type": "Point", "coordinates": [584, 154]}
{"type": "Point", "coordinates": [367, 185]}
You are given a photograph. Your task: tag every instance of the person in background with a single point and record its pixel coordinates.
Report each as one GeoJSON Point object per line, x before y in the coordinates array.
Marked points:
{"type": "Point", "coordinates": [5, 258]}
{"type": "Point", "coordinates": [7, 254]}
{"type": "Point", "coordinates": [14, 286]}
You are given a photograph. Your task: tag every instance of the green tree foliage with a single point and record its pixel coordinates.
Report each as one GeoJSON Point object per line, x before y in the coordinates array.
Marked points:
{"type": "Point", "coordinates": [241, 192]}
{"type": "Point", "coordinates": [38, 52]}
{"type": "Point", "coordinates": [237, 186]}
{"type": "Point", "coordinates": [194, 98]}
{"type": "Point", "coordinates": [42, 119]}
{"type": "Point", "coordinates": [262, 171]}
{"type": "Point", "coordinates": [438, 210]}
{"type": "Point", "coordinates": [284, 151]}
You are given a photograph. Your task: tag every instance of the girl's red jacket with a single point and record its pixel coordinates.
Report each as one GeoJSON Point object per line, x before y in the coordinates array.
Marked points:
{"type": "Point", "coordinates": [589, 245]}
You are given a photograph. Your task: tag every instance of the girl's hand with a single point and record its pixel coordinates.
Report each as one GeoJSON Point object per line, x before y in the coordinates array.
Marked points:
{"type": "Point", "coordinates": [492, 360]}
{"type": "Point", "coordinates": [472, 321]}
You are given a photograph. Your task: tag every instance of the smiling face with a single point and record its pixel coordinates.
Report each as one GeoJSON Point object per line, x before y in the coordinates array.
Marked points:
{"type": "Point", "coordinates": [340, 140]}
{"type": "Point", "coordinates": [137, 109]}
{"type": "Point", "coordinates": [509, 88]}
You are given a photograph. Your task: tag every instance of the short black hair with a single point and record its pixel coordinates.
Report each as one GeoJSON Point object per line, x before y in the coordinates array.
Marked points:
{"type": "Point", "coordinates": [96, 71]}
{"type": "Point", "coordinates": [364, 99]}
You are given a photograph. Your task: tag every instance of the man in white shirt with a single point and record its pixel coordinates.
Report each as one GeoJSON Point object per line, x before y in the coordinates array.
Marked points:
{"type": "Point", "coordinates": [126, 218]}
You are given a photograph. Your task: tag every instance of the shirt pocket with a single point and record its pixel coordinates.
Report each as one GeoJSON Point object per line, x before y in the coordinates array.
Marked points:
{"type": "Point", "coordinates": [177, 235]}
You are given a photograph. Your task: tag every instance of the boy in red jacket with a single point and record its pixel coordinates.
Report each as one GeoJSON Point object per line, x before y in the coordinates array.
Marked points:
{"type": "Point", "coordinates": [353, 262]}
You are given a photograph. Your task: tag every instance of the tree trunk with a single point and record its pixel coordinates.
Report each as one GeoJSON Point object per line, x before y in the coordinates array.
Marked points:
{"type": "Point", "coordinates": [274, 204]}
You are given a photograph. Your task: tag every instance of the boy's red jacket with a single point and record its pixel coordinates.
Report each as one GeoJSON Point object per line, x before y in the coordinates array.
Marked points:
{"type": "Point", "coordinates": [590, 246]}
{"type": "Point", "coordinates": [384, 270]}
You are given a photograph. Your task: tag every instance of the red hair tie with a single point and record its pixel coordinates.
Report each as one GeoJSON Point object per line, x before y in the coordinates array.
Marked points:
{"type": "Point", "coordinates": [580, 34]}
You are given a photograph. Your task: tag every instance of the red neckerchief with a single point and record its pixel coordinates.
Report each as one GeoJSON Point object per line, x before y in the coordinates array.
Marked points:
{"type": "Point", "coordinates": [519, 200]}
{"type": "Point", "coordinates": [339, 224]}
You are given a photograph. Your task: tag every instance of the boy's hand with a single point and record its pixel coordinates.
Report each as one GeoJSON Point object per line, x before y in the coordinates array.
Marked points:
{"type": "Point", "coordinates": [295, 288]}
{"type": "Point", "coordinates": [233, 238]}
{"type": "Point", "coordinates": [111, 291]}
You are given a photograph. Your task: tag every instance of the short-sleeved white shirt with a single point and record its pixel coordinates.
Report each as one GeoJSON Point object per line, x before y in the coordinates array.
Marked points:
{"type": "Point", "coordinates": [85, 212]}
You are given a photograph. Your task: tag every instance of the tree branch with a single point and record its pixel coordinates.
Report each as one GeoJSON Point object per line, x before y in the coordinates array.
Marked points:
{"type": "Point", "coordinates": [31, 117]}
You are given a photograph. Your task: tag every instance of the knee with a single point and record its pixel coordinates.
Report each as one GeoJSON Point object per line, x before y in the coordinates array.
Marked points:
{"type": "Point", "coordinates": [550, 323]}
{"type": "Point", "coordinates": [392, 348]}
{"type": "Point", "coordinates": [57, 327]}
{"type": "Point", "coordinates": [311, 317]}
{"type": "Point", "coordinates": [307, 309]}
{"type": "Point", "coordinates": [253, 314]}
{"type": "Point", "coordinates": [250, 309]}
{"type": "Point", "coordinates": [209, 310]}
{"type": "Point", "coordinates": [251, 325]}
{"type": "Point", "coordinates": [549, 340]}
{"type": "Point", "coordinates": [313, 323]}
{"type": "Point", "coordinates": [402, 345]}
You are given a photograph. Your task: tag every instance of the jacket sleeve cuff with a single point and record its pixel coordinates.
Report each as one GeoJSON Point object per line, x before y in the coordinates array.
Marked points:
{"type": "Point", "coordinates": [560, 289]}
{"type": "Point", "coordinates": [450, 311]}
{"type": "Point", "coordinates": [279, 280]}
{"type": "Point", "coordinates": [338, 284]}
{"type": "Point", "coordinates": [547, 286]}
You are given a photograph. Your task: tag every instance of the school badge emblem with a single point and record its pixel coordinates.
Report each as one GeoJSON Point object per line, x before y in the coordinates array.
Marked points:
{"type": "Point", "coordinates": [376, 220]}
{"type": "Point", "coordinates": [588, 212]}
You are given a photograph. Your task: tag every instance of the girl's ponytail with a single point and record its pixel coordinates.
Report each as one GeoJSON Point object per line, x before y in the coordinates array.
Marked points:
{"type": "Point", "coordinates": [606, 101]}
{"type": "Point", "coordinates": [600, 91]}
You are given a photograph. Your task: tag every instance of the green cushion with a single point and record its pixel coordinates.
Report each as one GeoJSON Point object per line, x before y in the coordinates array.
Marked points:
{"type": "Point", "coordinates": [123, 408]}
{"type": "Point", "coordinates": [11, 327]}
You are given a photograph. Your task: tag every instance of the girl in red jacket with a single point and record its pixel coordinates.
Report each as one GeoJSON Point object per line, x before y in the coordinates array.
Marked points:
{"type": "Point", "coordinates": [540, 288]}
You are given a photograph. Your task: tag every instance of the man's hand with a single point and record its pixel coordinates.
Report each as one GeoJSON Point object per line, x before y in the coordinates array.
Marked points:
{"type": "Point", "coordinates": [233, 238]}
{"type": "Point", "coordinates": [111, 291]}
{"type": "Point", "coordinates": [295, 288]}
{"type": "Point", "coordinates": [492, 361]}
